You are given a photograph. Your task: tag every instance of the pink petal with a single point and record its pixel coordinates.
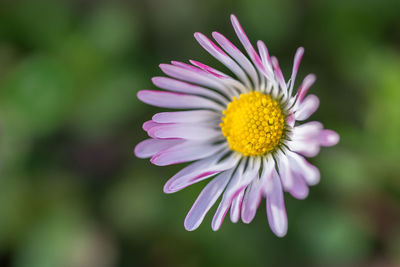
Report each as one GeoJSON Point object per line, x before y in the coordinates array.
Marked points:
{"type": "Point", "coordinates": [149, 124]}
{"type": "Point", "coordinates": [328, 138]}
{"type": "Point", "coordinates": [284, 171]}
{"type": "Point", "coordinates": [251, 200]}
{"type": "Point", "coordinates": [176, 100]}
{"type": "Point", "coordinates": [187, 88]}
{"type": "Point", "coordinates": [149, 147]}
{"type": "Point", "coordinates": [208, 196]}
{"type": "Point", "coordinates": [266, 60]}
{"type": "Point", "coordinates": [192, 76]}
{"type": "Point", "coordinates": [192, 116]}
{"type": "Point", "coordinates": [279, 75]}
{"type": "Point", "coordinates": [209, 69]}
{"type": "Point", "coordinates": [276, 211]}
{"type": "Point", "coordinates": [236, 206]}
{"type": "Point", "coordinates": [236, 54]}
{"type": "Point", "coordinates": [240, 180]}
{"type": "Point", "coordinates": [307, 107]}
{"type": "Point", "coordinates": [300, 166]}
{"type": "Point", "coordinates": [220, 55]}
{"type": "Point", "coordinates": [306, 84]}
{"type": "Point", "coordinates": [199, 171]}
{"type": "Point", "coordinates": [296, 64]}
{"type": "Point", "coordinates": [246, 43]}
{"type": "Point", "coordinates": [187, 151]}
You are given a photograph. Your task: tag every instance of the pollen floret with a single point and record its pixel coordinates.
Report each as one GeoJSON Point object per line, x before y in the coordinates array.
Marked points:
{"type": "Point", "coordinates": [253, 124]}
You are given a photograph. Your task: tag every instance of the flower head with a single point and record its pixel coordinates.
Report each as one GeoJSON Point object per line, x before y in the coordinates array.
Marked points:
{"type": "Point", "coordinates": [243, 132]}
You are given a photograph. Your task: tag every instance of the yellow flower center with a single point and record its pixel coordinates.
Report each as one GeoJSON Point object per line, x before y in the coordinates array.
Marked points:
{"type": "Point", "coordinates": [253, 124]}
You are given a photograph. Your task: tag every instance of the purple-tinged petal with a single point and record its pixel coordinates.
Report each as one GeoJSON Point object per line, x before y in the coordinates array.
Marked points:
{"type": "Point", "coordinates": [227, 198]}
{"type": "Point", "coordinates": [149, 147]}
{"type": "Point", "coordinates": [187, 151]}
{"type": "Point", "coordinates": [251, 200]}
{"type": "Point", "coordinates": [240, 180]}
{"type": "Point", "coordinates": [194, 76]}
{"type": "Point", "coordinates": [328, 138]}
{"type": "Point", "coordinates": [237, 55]}
{"type": "Point", "coordinates": [200, 170]}
{"type": "Point", "coordinates": [187, 131]}
{"type": "Point", "coordinates": [147, 125]}
{"type": "Point", "coordinates": [300, 166]}
{"type": "Point", "coordinates": [305, 85]}
{"type": "Point", "coordinates": [284, 171]}
{"type": "Point", "coordinates": [176, 100]}
{"type": "Point", "coordinates": [187, 88]}
{"type": "Point", "coordinates": [296, 64]}
{"type": "Point", "coordinates": [276, 211]}
{"type": "Point", "coordinates": [192, 116]}
{"type": "Point", "coordinates": [308, 148]}
{"type": "Point", "coordinates": [307, 108]}
{"type": "Point", "coordinates": [290, 120]}
{"type": "Point", "coordinates": [246, 43]}
{"type": "Point", "coordinates": [279, 75]}
{"type": "Point", "coordinates": [299, 189]}
{"type": "Point", "coordinates": [236, 206]}
{"type": "Point", "coordinates": [209, 69]}
{"type": "Point", "coordinates": [266, 60]}
{"type": "Point", "coordinates": [220, 55]}
{"type": "Point", "coordinates": [208, 196]}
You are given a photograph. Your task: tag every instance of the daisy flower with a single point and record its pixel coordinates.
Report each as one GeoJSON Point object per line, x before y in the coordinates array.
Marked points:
{"type": "Point", "coordinates": [240, 131]}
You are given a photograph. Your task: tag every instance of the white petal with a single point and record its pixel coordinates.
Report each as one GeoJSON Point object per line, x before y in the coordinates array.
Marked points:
{"type": "Point", "coordinates": [251, 200]}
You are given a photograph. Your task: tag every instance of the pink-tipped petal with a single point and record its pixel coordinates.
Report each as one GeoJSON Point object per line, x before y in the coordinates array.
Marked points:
{"type": "Point", "coordinates": [266, 60]}
{"type": "Point", "coordinates": [284, 172]}
{"type": "Point", "coordinates": [209, 69]}
{"type": "Point", "coordinates": [300, 166]}
{"type": "Point", "coordinates": [149, 147]}
{"type": "Point", "coordinates": [220, 55]}
{"type": "Point", "coordinates": [251, 200]}
{"type": "Point", "coordinates": [299, 189]}
{"type": "Point", "coordinates": [147, 125]}
{"type": "Point", "coordinates": [328, 138]}
{"type": "Point", "coordinates": [246, 43]}
{"type": "Point", "coordinates": [236, 206]}
{"type": "Point", "coordinates": [305, 85]}
{"type": "Point", "coordinates": [185, 152]}
{"type": "Point", "coordinates": [307, 108]}
{"type": "Point", "coordinates": [296, 64]}
{"type": "Point", "coordinates": [192, 116]}
{"type": "Point", "coordinates": [198, 171]}
{"type": "Point", "coordinates": [208, 196]}
{"type": "Point", "coordinates": [176, 100]}
{"type": "Point", "coordinates": [276, 211]}
{"type": "Point", "coordinates": [236, 54]}
{"type": "Point", "coordinates": [240, 180]}
{"type": "Point", "coordinates": [201, 78]}
{"type": "Point", "coordinates": [279, 75]}
{"type": "Point", "coordinates": [186, 88]}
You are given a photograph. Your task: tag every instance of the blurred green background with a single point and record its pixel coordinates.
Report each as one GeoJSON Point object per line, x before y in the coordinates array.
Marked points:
{"type": "Point", "coordinates": [71, 192]}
